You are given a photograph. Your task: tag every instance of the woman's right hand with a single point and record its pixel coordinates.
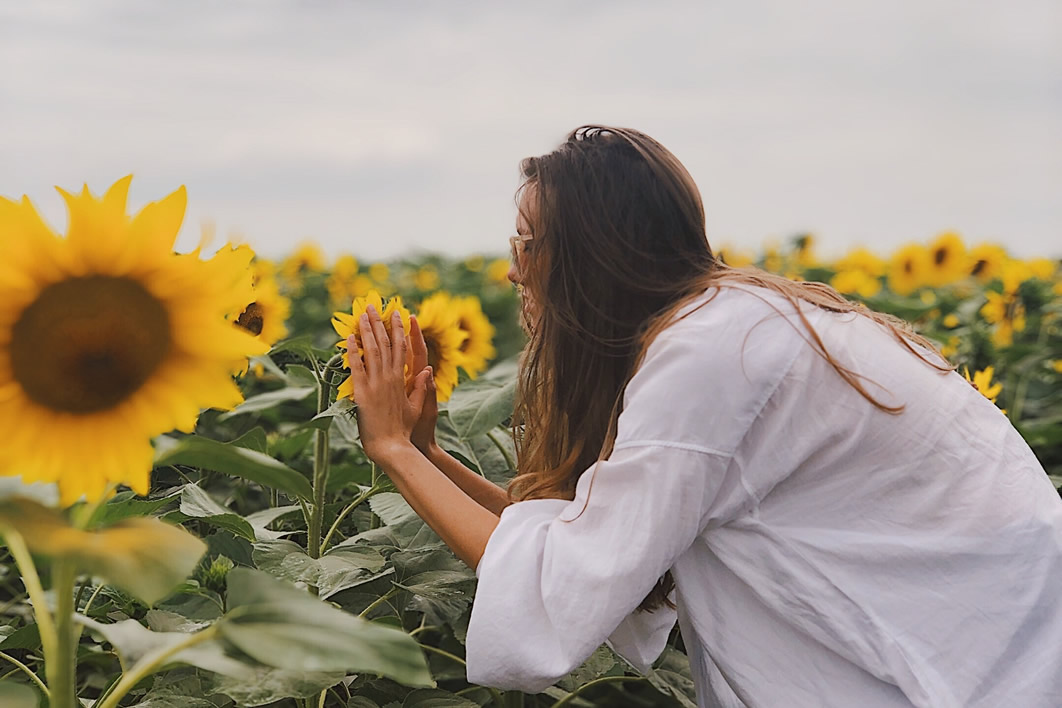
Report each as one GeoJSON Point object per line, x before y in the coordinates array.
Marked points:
{"type": "Point", "coordinates": [423, 435]}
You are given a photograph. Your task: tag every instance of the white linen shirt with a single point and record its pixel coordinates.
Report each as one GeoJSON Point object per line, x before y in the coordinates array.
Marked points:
{"type": "Point", "coordinates": [825, 552]}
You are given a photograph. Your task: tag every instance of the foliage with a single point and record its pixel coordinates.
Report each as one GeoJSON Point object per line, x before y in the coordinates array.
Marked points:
{"type": "Point", "coordinates": [272, 565]}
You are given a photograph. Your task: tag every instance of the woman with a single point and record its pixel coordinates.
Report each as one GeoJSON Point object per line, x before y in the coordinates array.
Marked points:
{"type": "Point", "coordinates": [834, 516]}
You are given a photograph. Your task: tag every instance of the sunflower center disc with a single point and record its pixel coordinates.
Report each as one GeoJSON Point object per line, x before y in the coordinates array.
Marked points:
{"type": "Point", "coordinates": [86, 344]}
{"type": "Point", "coordinates": [252, 319]}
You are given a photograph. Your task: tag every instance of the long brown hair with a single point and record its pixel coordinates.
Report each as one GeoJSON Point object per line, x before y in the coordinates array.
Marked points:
{"type": "Point", "coordinates": [619, 247]}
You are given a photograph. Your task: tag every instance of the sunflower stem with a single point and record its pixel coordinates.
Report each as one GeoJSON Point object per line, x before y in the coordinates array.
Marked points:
{"type": "Point", "coordinates": [62, 670]}
{"type": "Point", "coordinates": [320, 462]}
{"type": "Point", "coordinates": [45, 624]}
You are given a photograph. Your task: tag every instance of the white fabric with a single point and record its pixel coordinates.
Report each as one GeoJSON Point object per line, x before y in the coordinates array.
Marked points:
{"type": "Point", "coordinates": [825, 553]}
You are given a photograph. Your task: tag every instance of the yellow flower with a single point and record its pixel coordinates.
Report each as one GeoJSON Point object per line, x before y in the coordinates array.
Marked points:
{"type": "Point", "coordinates": [950, 348]}
{"type": "Point", "coordinates": [307, 258]}
{"type": "Point", "coordinates": [1057, 366]}
{"type": "Point", "coordinates": [951, 320]}
{"type": "Point", "coordinates": [772, 259]}
{"type": "Point", "coordinates": [986, 261]}
{"type": "Point", "coordinates": [982, 381]}
{"type": "Point", "coordinates": [735, 258]}
{"type": "Point", "coordinates": [266, 316]}
{"type": "Point", "coordinates": [443, 337]}
{"type": "Point", "coordinates": [475, 263]}
{"type": "Point", "coordinates": [108, 338]}
{"type": "Point", "coordinates": [498, 271]}
{"type": "Point", "coordinates": [862, 260]}
{"type": "Point", "coordinates": [1042, 268]}
{"type": "Point", "coordinates": [1006, 312]}
{"type": "Point", "coordinates": [346, 325]}
{"type": "Point", "coordinates": [805, 251]}
{"type": "Point", "coordinates": [947, 260]}
{"type": "Point", "coordinates": [379, 272]}
{"type": "Point", "coordinates": [342, 281]}
{"type": "Point", "coordinates": [1014, 273]}
{"type": "Point", "coordinates": [909, 269]}
{"type": "Point", "coordinates": [855, 282]}
{"type": "Point", "coordinates": [427, 278]}
{"type": "Point", "coordinates": [477, 347]}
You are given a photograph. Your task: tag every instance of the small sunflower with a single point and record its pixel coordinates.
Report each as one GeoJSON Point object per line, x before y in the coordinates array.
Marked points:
{"type": "Point", "coordinates": [477, 348]}
{"type": "Point", "coordinates": [498, 271]}
{"type": "Point", "coordinates": [266, 315]}
{"type": "Point", "coordinates": [982, 381]}
{"type": "Point", "coordinates": [342, 280]}
{"type": "Point", "coordinates": [863, 260]}
{"type": "Point", "coordinates": [909, 269]}
{"type": "Point", "coordinates": [734, 257]}
{"type": "Point", "coordinates": [346, 325]}
{"type": "Point", "coordinates": [438, 320]}
{"type": "Point", "coordinates": [947, 260]}
{"type": "Point", "coordinates": [427, 278]}
{"type": "Point", "coordinates": [855, 282]}
{"type": "Point", "coordinates": [1005, 311]}
{"type": "Point", "coordinates": [986, 261]}
{"type": "Point", "coordinates": [307, 258]}
{"type": "Point", "coordinates": [108, 338]}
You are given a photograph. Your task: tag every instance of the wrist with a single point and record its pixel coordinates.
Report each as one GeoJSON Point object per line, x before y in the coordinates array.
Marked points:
{"type": "Point", "coordinates": [388, 454]}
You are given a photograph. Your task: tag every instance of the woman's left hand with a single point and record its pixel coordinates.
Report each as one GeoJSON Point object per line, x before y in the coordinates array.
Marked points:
{"type": "Point", "coordinates": [386, 415]}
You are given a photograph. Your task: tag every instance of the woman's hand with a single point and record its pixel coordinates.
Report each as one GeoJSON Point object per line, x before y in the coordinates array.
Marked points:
{"type": "Point", "coordinates": [423, 435]}
{"type": "Point", "coordinates": [386, 414]}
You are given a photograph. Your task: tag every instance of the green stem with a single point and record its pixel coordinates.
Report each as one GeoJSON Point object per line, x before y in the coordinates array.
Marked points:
{"type": "Point", "coordinates": [26, 670]}
{"type": "Point", "coordinates": [501, 448]}
{"type": "Point", "coordinates": [596, 682]}
{"type": "Point", "coordinates": [379, 601]}
{"type": "Point", "coordinates": [320, 465]}
{"type": "Point", "coordinates": [85, 609]}
{"type": "Point", "coordinates": [62, 671]}
{"type": "Point", "coordinates": [499, 700]}
{"type": "Point", "coordinates": [1018, 401]}
{"type": "Point", "coordinates": [374, 520]}
{"type": "Point", "coordinates": [145, 667]}
{"type": "Point", "coordinates": [343, 514]}
{"type": "Point", "coordinates": [45, 625]}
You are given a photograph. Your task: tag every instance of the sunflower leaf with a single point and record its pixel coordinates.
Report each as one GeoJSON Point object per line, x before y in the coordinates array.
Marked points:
{"type": "Point", "coordinates": [143, 556]}
{"type": "Point", "coordinates": [279, 625]}
{"type": "Point", "coordinates": [479, 405]}
{"type": "Point", "coordinates": [269, 399]}
{"type": "Point", "coordinates": [205, 453]}
{"type": "Point", "coordinates": [18, 695]}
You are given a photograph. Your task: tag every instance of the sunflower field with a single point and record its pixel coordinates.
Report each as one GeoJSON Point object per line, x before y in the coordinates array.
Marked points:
{"type": "Point", "coordinates": [189, 521]}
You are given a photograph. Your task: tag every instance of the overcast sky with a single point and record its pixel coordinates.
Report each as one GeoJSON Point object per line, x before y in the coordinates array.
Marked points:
{"type": "Point", "coordinates": [382, 128]}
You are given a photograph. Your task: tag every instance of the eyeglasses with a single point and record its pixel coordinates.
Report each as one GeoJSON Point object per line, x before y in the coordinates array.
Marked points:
{"type": "Point", "coordinates": [518, 247]}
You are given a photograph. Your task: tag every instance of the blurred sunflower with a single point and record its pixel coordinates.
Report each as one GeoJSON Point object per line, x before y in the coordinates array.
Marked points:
{"type": "Point", "coordinates": [475, 263]}
{"type": "Point", "coordinates": [477, 348]}
{"type": "Point", "coordinates": [856, 282]}
{"type": "Point", "coordinates": [986, 261]}
{"type": "Point", "coordinates": [108, 338]}
{"type": "Point", "coordinates": [734, 257]}
{"type": "Point", "coordinates": [438, 320]}
{"type": "Point", "coordinates": [307, 258]}
{"type": "Point", "coordinates": [1006, 312]}
{"type": "Point", "coordinates": [343, 282]}
{"type": "Point", "coordinates": [266, 315]}
{"type": "Point", "coordinates": [947, 260]}
{"type": "Point", "coordinates": [346, 325]}
{"type": "Point", "coordinates": [498, 271]}
{"type": "Point", "coordinates": [863, 260]}
{"type": "Point", "coordinates": [908, 269]}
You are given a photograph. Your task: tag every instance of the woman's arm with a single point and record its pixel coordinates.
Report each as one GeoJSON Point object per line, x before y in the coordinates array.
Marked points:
{"type": "Point", "coordinates": [488, 494]}
{"type": "Point", "coordinates": [459, 520]}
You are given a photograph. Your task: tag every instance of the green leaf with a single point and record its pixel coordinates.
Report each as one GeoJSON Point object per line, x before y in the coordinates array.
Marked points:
{"type": "Point", "coordinates": [197, 504]}
{"type": "Point", "coordinates": [18, 695]}
{"type": "Point", "coordinates": [27, 637]}
{"type": "Point", "coordinates": [269, 399]}
{"type": "Point", "coordinates": [600, 663]}
{"type": "Point", "coordinates": [126, 505]}
{"type": "Point", "coordinates": [436, 698]}
{"type": "Point", "coordinates": [479, 405]}
{"type": "Point", "coordinates": [138, 646]}
{"type": "Point", "coordinates": [143, 556]}
{"type": "Point", "coordinates": [196, 451]}
{"type": "Point", "coordinates": [280, 625]}
{"type": "Point", "coordinates": [340, 568]}
{"type": "Point", "coordinates": [671, 676]}
{"type": "Point", "coordinates": [253, 439]}
{"type": "Point", "coordinates": [266, 685]}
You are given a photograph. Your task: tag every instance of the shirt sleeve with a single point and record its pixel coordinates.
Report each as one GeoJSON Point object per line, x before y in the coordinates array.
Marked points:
{"type": "Point", "coordinates": [557, 578]}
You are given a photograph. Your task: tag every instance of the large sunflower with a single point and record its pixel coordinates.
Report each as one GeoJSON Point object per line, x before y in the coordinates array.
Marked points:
{"type": "Point", "coordinates": [443, 337]}
{"type": "Point", "coordinates": [477, 348]}
{"type": "Point", "coordinates": [346, 325]}
{"type": "Point", "coordinates": [108, 339]}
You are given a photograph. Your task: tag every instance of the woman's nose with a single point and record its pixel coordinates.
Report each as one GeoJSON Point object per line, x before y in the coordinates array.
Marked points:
{"type": "Point", "coordinates": [513, 275]}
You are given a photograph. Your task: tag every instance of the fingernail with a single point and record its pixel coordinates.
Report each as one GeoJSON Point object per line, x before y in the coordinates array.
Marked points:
{"type": "Point", "coordinates": [371, 309]}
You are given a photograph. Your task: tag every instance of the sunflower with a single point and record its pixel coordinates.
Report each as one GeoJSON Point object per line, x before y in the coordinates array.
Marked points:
{"type": "Point", "coordinates": [477, 348]}
{"type": "Point", "coordinates": [1005, 311]}
{"type": "Point", "coordinates": [438, 320]}
{"type": "Point", "coordinates": [947, 260]}
{"type": "Point", "coordinates": [735, 258]}
{"type": "Point", "coordinates": [986, 261]}
{"type": "Point", "coordinates": [982, 381]}
{"type": "Point", "coordinates": [908, 269]}
{"type": "Point", "coordinates": [108, 338]}
{"type": "Point", "coordinates": [266, 315]}
{"type": "Point", "coordinates": [343, 282]}
{"type": "Point", "coordinates": [307, 258]}
{"type": "Point", "coordinates": [498, 271]}
{"type": "Point", "coordinates": [855, 282]}
{"type": "Point", "coordinates": [346, 325]}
